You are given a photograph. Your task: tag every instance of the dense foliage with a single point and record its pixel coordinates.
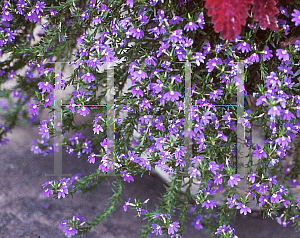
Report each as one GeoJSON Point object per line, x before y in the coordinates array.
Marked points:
{"type": "Point", "coordinates": [158, 42]}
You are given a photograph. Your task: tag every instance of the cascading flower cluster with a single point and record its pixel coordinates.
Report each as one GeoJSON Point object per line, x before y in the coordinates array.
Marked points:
{"type": "Point", "coordinates": [156, 39]}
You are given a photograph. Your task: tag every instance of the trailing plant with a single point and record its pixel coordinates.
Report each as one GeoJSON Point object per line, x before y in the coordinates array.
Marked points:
{"type": "Point", "coordinates": [159, 42]}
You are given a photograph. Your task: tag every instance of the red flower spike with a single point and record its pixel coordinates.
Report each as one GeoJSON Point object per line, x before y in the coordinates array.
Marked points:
{"type": "Point", "coordinates": [264, 11]}
{"type": "Point", "coordinates": [228, 16]}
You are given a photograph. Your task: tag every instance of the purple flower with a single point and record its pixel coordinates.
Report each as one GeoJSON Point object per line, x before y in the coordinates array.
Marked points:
{"type": "Point", "coordinates": [267, 53]}
{"type": "Point", "coordinates": [293, 218]}
{"type": "Point", "coordinates": [296, 17]}
{"type": "Point", "coordinates": [75, 139]}
{"type": "Point", "coordinates": [220, 134]}
{"type": "Point", "coordinates": [156, 32]}
{"type": "Point", "coordinates": [186, 42]}
{"type": "Point", "coordinates": [182, 2]}
{"type": "Point", "coordinates": [177, 78]}
{"type": "Point", "coordinates": [173, 227]}
{"type": "Point", "coordinates": [283, 11]}
{"type": "Point", "coordinates": [4, 141]}
{"type": "Point", "coordinates": [103, 8]}
{"type": "Point", "coordinates": [244, 46]}
{"type": "Point", "coordinates": [227, 117]}
{"type": "Point", "coordinates": [181, 54]}
{"type": "Point", "coordinates": [97, 20]}
{"type": "Point", "coordinates": [293, 183]}
{"type": "Point", "coordinates": [175, 37]}
{"type": "Point", "coordinates": [209, 204]}
{"type": "Point", "coordinates": [231, 201]}
{"type": "Point", "coordinates": [6, 16]}
{"type": "Point", "coordinates": [213, 166]}
{"type": "Point", "coordinates": [146, 119]}
{"type": "Point", "coordinates": [233, 180]}
{"type": "Point", "coordinates": [193, 172]}
{"type": "Point", "coordinates": [129, 3]}
{"type": "Point", "coordinates": [150, 60]}
{"type": "Point", "coordinates": [145, 104]}
{"type": "Point", "coordinates": [159, 125]}
{"type": "Point", "coordinates": [252, 176]}
{"type": "Point", "coordinates": [215, 94]}
{"type": "Point", "coordinates": [191, 26]}
{"type": "Point", "coordinates": [88, 77]}
{"type": "Point", "coordinates": [259, 153]}
{"type": "Point", "coordinates": [91, 158]}
{"type": "Point", "coordinates": [137, 92]}
{"type": "Point", "coordinates": [263, 199]}
{"type": "Point", "coordinates": [274, 111]}
{"type": "Point", "coordinates": [47, 192]}
{"type": "Point", "coordinates": [83, 111]}
{"type": "Point", "coordinates": [108, 55]}
{"type": "Point", "coordinates": [33, 17]}
{"type": "Point", "coordinates": [272, 180]}
{"type": "Point", "coordinates": [286, 115]}
{"type": "Point", "coordinates": [282, 54]}
{"type": "Point", "coordinates": [62, 191]}
{"type": "Point", "coordinates": [179, 151]}
{"type": "Point", "coordinates": [160, 17]}
{"type": "Point", "coordinates": [46, 87]}
{"type": "Point", "coordinates": [286, 29]}
{"type": "Point", "coordinates": [125, 205]}
{"type": "Point", "coordinates": [70, 231]}
{"type": "Point", "coordinates": [21, 7]}
{"type": "Point", "coordinates": [200, 20]}
{"type": "Point", "coordinates": [283, 141]}
{"type": "Point", "coordinates": [199, 58]}
{"type": "Point", "coordinates": [212, 63]}
{"type": "Point", "coordinates": [282, 189]}
{"type": "Point", "coordinates": [34, 109]}
{"type": "Point", "coordinates": [280, 222]}
{"type": "Point", "coordinates": [275, 198]}
{"type": "Point", "coordinates": [43, 129]}
{"type": "Point", "coordinates": [11, 75]}
{"type": "Point", "coordinates": [156, 229]}
{"type": "Point", "coordinates": [287, 81]}
{"type": "Point", "coordinates": [244, 208]}
{"type": "Point", "coordinates": [93, 63]}
{"type": "Point", "coordinates": [171, 95]}
{"type": "Point", "coordinates": [62, 224]}
{"type": "Point", "coordinates": [79, 218]}
{"type": "Point", "coordinates": [285, 69]}
{"type": "Point", "coordinates": [52, 13]}
{"type": "Point", "coordinates": [39, 7]}
{"type": "Point", "coordinates": [218, 48]}
{"type": "Point", "coordinates": [138, 75]}
{"type": "Point", "coordinates": [137, 33]}
{"type": "Point", "coordinates": [84, 15]}
{"type": "Point", "coordinates": [87, 147]}
{"type": "Point", "coordinates": [207, 48]}
{"type": "Point", "coordinates": [175, 20]}
{"type": "Point", "coordinates": [297, 45]}
{"type": "Point", "coordinates": [218, 178]}
{"type": "Point", "coordinates": [224, 229]}
{"type": "Point", "coordinates": [254, 58]}
{"type": "Point", "coordinates": [197, 222]}
{"type": "Point", "coordinates": [163, 47]}
{"type": "Point", "coordinates": [288, 168]}
{"type": "Point", "coordinates": [127, 177]}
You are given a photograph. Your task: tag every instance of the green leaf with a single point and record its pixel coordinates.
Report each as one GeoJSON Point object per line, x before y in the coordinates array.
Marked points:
{"type": "Point", "coordinates": [297, 73]}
